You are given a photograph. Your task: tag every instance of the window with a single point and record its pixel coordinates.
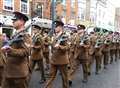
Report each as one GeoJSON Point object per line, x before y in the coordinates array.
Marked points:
{"type": "Point", "coordinates": [25, 6]}
{"type": "Point", "coordinates": [82, 13]}
{"type": "Point", "coordinates": [99, 12]}
{"type": "Point", "coordinates": [73, 3]}
{"type": "Point", "coordinates": [8, 5]}
{"type": "Point", "coordinates": [38, 9]}
{"type": "Point", "coordinates": [64, 2]}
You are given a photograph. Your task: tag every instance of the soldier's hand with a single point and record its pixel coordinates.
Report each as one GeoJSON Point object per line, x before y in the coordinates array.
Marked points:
{"type": "Point", "coordinates": [86, 46]}
{"type": "Point", "coordinates": [56, 46]}
{"type": "Point", "coordinates": [6, 48]}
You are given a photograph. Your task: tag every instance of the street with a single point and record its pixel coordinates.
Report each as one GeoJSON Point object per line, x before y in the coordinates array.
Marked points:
{"type": "Point", "coordinates": [109, 78]}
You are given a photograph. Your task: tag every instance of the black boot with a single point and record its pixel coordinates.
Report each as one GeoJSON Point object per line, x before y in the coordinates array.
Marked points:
{"type": "Point", "coordinates": [89, 73]}
{"type": "Point", "coordinates": [84, 80]}
{"type": "Point", "coordinates": [70, 82]}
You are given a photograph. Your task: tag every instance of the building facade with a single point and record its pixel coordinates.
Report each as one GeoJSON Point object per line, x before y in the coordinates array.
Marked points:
{"type": "Point", "coordinates": [110, 16]}
{"type": "Point", "coordinates": [100, 13]}
{"type": "Point", "coordinates": [67, 10]}
{"type": "Point", "coordinates": [41, 8]}
{"type": "Point", "coordinates": [7, 7]}
{"type": "Point", "coordinates": [117, 19]}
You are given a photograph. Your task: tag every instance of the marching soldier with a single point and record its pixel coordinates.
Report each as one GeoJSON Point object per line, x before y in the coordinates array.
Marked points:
{"type": "Point", "coordinates": [47, 43]}
{"type": "Point", "coordinates": [84, 55]}
{"type": "Point", "coordinates": [106, 51]}
{"type": "Point", "coordinates": [98, 53]}
{"type": "Point", "coordinates": [37, 50]}
{"type": "Point", "coordinates": [17, 66]}
{"type": "Point", "coordinates": [116, 46]}
{"type": "Point", "coordinates": [2, 59]}
{"type": "Point", "coordinates": [59, 59]}
{"type": "Point", "coordinates": [119, 47]}
{"type": "Point", "coordinates": [72, 60]}
{"type": "Point", "coordinates": [91, 51]}
{"type": "Point", "coordinates": [112, 48]}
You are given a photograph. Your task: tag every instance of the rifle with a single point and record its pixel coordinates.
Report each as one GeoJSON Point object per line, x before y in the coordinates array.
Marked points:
{"type": "Point", "coordinates": [17, 38]}
{"type": "Point", "coordinates": [100, 34]}
{"type": "Point", "coordinates": [60, 40]}
{"type": "Point", "coordinates": [84, 38]}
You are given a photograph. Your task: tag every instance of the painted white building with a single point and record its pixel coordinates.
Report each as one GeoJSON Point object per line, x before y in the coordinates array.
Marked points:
{"type": "Point", "coordinates": [81, 9]}
{"type": "Point", "coordinates": [110, 15]}
{"type": "Point", "coordinates": [82, 12]}
{"type": "Point", "coordinates": [93, 11]}
{"type": "Point", "coordinates": [103, 13]}
{"type": "Point", "coordinates": [100, 13]}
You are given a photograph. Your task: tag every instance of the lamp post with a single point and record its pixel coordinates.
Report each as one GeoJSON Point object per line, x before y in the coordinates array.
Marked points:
{"type": "Point", "coordinates": [53, 15]}
{"type": "Point", "coordinates": [31, 9]}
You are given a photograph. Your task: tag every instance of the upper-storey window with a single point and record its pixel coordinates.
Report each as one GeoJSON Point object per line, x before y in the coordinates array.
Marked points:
{"type": "Point", "coordinates": [25, 6]}
{"type": "Point", "coordinates": [8, 5]}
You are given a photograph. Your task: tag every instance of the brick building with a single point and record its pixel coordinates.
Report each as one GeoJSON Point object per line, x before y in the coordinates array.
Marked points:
{"type": "Point", "coordinates": [67, 9]}
{"type": "Point", "coordinates": [7, 7]}
{"type": "Point", "coordinates": [41, 8]}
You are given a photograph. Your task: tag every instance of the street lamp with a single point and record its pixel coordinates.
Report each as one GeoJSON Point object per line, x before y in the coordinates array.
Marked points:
{"type": "Point", "coordinates": [53, 15]}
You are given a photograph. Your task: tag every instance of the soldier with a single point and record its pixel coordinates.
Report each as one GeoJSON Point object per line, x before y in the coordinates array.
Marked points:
{"type": "Point", "coordinates": [2, 59]}
{"type": "Point", "coordinates": [116, 46]}
{"type": "Point", "coordinates": [75, 51]}
{"type": "Point", "coordinates": [59, 59]}
{"type": "Point", "coordinates": [119, 46]}
{"type": "Point", "coordinates": [72, 60]}
{"type": "Point", "coordinates": [91, 51]}
{"type": "Point", "coordinates": [98, 53]}
{"type": "Point", "coordinates": [37, 50]}
{"type": "Point", "coordinates": [84, 49]}
{"type": "Point", "coordinates": [47, 42]}
{"type": "Point", "coordinates": [112, 48]}
{"type": "Point", "coordinates": [17, 66]}
{"type": "Point", "coordinates": [106, 51]}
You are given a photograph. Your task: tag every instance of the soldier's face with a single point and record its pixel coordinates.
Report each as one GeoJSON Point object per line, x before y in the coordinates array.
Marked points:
{"type": "Point", "coordinates": [81, 31]}
{"type": "Point", "coordinates": [58, 29]}
{"type": "Point", "coordinates": [18, 23]}
{"type": "Point", "coordinates": [35, 30]}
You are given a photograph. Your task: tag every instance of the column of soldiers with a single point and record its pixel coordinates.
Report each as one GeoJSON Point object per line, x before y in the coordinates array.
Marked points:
{"type": "Point", "coordinates": [62, 52]}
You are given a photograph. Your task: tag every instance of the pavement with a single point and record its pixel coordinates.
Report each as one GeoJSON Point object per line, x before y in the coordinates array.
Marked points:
{"type": "Point", "coordinates": [108, 78]}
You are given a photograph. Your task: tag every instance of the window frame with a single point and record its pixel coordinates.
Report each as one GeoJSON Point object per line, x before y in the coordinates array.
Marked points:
{"type": "Point", "coordinates": [28, 9]}
{"type": "Point", "coordinates": [8, 9]}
